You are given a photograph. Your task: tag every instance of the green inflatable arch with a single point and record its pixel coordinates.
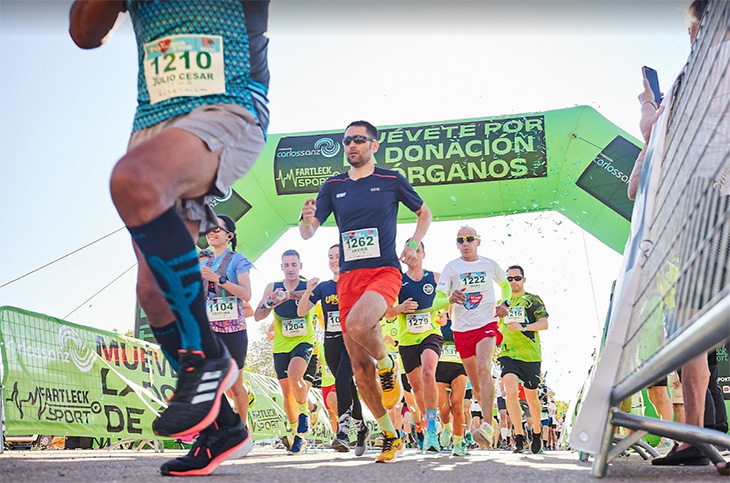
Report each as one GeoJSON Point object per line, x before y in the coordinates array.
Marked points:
{"type": "Point", "coordinates": [573, 161]}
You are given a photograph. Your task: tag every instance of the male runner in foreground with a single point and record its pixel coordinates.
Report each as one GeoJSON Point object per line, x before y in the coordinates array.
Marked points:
{"type": "Point", "coordinates": [199, 127]}
{"type": "Point", "coordinates": [365, 202]}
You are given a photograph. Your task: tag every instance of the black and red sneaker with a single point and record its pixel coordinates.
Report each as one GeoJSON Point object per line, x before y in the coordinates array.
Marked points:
{"type": "Point", "coordinates": [200, 385]}
{"type": "Point", "coordinates": [214, 446]}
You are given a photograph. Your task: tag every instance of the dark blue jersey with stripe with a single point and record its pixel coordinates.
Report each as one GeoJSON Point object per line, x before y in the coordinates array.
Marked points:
{"type": "Point", "coordinates": [371, 204]}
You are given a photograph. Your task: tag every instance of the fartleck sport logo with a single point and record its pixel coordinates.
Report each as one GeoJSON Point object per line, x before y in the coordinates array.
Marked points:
{"type": "Point", "coordinates": [82, 356]}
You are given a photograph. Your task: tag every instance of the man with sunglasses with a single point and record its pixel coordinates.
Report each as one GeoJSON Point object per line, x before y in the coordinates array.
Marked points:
{"type": "Point", "coordinates": [467, 284]}
{"type": "Point", "coordinates": [520, 355]}
{"type": "Point", "coordinates": [365, 202]}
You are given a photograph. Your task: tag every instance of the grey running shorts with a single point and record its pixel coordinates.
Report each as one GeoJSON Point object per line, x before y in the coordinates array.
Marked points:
{"type": "Point", "coordinates": [228, 127]}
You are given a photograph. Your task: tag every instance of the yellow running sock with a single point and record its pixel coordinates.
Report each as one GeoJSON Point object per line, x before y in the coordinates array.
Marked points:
{"type": "Point", "coordinates": [386, 424]}
{"type": "Point", "coordinates": [385, 363]}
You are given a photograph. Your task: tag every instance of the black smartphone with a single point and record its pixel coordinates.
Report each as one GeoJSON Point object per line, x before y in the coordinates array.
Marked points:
{"type": "Point", "coordinates": [653, 79]}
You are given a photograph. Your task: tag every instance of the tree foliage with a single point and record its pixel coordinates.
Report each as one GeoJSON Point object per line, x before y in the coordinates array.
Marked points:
{"type": "Point", "coordinates": [260, 359]}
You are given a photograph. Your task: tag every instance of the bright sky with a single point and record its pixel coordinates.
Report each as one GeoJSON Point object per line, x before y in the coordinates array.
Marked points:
{"type": "Point", "coordinates": [66, 114]}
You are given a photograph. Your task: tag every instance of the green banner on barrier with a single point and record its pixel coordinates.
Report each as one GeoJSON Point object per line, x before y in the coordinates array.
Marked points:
{"type": "Point", "coordinates": [64, 379]}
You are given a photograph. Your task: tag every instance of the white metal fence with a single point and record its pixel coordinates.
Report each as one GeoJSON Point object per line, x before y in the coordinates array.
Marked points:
{"type": "Point", "coordinates": [672, 301]}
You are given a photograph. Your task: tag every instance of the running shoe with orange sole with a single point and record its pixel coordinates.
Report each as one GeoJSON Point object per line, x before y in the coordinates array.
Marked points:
{"type": "Point", "coordinates": [392, 447]}
{"type": "Point", "coordinates": [213, 446]}
{"type": "Point", "coordinates": [391, 385]}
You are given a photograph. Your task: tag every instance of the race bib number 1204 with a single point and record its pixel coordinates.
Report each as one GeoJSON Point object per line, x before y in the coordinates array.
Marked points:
{"type": "Point", "coordinates": [184, 65]}
{"type": "Point", "coordinates": [294, 327]}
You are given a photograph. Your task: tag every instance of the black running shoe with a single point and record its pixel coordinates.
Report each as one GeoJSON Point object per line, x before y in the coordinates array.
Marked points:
{"type": "Point", "coordinates": [286, 440]}
{"type": "Point", "coordinates": [341, 444]}
{"type": "Point", "coordinates": [536, 444]}
{"type": "Point", "coordinates": [201, 383]}
{"type": "Point", "coordinates": [211, 448]}
{"type": "Point", "coordinates": [363, 436]}
{"type": "Point", "coordinates": [519, 443]}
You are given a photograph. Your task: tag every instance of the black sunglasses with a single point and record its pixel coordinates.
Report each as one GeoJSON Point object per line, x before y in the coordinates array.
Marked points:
{"type": "Point", "coordinates": [516, 279]}
{"type": "Point", "coordinates": [467, 238]}
{"type": "Point", "coordinates": [217, 229]}
{"type": "Point", "coordinates": [356, 139]}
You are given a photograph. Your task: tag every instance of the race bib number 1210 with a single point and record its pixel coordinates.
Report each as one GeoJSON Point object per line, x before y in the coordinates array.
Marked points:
{"type": "Point", "coordinates": [184, 65]}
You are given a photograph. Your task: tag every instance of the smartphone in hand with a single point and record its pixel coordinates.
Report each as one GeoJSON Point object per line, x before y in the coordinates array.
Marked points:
{"type": "Point", "coordinates": [653, 79]}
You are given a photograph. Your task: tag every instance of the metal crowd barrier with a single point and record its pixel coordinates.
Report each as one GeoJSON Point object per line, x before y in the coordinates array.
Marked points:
{"type": "Point", "coordinates": [673, 297]}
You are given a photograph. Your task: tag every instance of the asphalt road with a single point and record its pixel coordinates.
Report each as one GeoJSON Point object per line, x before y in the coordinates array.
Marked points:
{"type": "Point", "coordinates": [265, 464]}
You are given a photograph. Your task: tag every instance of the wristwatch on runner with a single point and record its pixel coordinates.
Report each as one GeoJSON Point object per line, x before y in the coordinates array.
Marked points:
{"type": "Point", "coordinates": [222, 280]}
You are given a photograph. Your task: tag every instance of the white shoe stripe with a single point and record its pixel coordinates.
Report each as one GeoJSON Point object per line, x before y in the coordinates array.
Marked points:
{"type": "Point", "coordinates": [208, 386]}
{"type": "Point", "coordinates": [203, 398]}
{"type": "Point", "coordinates": [211, 375]}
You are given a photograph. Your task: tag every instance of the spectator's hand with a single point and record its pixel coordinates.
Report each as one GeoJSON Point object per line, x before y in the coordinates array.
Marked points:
{"type": "Point", "coordinates": [647, 94]}
{"type": "Point", "coordinates": [209, 274]}
{"type": "Point", "coordinates": [649, 110]}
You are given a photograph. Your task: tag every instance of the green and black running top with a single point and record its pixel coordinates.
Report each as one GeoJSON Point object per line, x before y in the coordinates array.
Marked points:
{"type": "Point", "coordinates": [290, 330]}
{"type": "Point", "coordinates": [523, 346]}
{"type": "Point", "coordinates": [414, 327]}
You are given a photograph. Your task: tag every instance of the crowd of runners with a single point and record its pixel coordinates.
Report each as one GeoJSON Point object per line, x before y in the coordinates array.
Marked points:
{"type": "Point", "coordinates": [200, 124]}
{"type": "Point", "coordinates": [427, 352]}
